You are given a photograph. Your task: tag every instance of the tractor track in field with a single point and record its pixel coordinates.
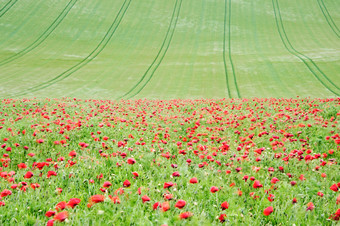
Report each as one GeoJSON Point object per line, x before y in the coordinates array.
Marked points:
{"type": "Point", "coordinates": [169, 32]}
{"type": "Point", "coordinates": [313, 68]}
{"type": "Point", "coordinates": [328, 17]}
{"type": "Point", "coordinates": [44, 35]}
{"type": "Point", "coordinates": [4, 10]}
{"type": "Point", "coordinates": [99, 48]}
{"type": "Point", "coordinates": [227, 11]}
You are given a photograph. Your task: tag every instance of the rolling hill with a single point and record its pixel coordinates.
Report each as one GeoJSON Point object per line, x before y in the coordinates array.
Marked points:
{"type": "Point", "coordinates": [169, 49]}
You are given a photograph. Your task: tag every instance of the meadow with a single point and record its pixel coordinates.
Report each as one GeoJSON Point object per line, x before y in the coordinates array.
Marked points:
{"type": "Point", "coordinates": [178, 162]}
{"type": "Point", "coordinates": [173, 112]}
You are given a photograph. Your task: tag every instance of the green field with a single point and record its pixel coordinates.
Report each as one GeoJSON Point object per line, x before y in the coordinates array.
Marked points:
{"type": "Point", "coordinates": [169, 49]}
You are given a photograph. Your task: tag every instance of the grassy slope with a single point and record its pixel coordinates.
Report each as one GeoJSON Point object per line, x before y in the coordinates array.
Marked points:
{"type": "Point", "coordinates": [176, 49]}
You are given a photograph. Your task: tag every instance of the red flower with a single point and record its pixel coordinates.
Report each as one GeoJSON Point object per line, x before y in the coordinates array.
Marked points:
{"type": "Point", "coordinates": [135, 174]}
{"type": "Point", "coordinates": [73, 202]}
{"type": "Point", "coordinates": [61, 206]}
{"type": "Point", "coordinates": [320, 194]}
{"type": "Point", "coordinates": [2, 203]}
{"type": "Point", "coordinates": [165, 206]}
{"type": "Point", "coordinates": [72, 154]}
{"type": "Point", "coordinates": [50, 223]}
{"type": "Point", "coordinates": [193, 180]}
{"type": "Point", "coordinates": [145, 198]}
{"type": "Point", "coordinates": [115, 199]}
{"type": "Point", "coordinates": [224, 205]}
{"type": "Point", "coordinates": [294, 200]}
{"type": "Point", "coordinates": [5, 193]}
{"type": "Point", "coordinates": [97, 198]}
{"type": "Point", "coordinates": [310, 206]}
{"type": "Point", "coordinates": [175, 174]}
{"type": "Point", "coordinates": [131, 161]}
{"type": "Point", "coordinates": [222, 217]}
{"type": "Point", "coordinates": [180, 204]}
{"type": "Point", "coordinates": [61, 216]}
{"type": "Point", "coordinates": [51, 173]}
{"type": "Point", "coordinates": [126, 183]}
{"type": "Point", "coordinates": [157, 205]}
{"type": "Point", "coordinates": [168, 184]}
{"type": "Point", "coordinates": [107, 184]}
{"type": "Point", "coordinates": [274, 180]}
{"type": "Point", "coordinates": [257, 184]}
{"type": "Point", "coordinates": [214, 189]}
{"type": "Point", "coordinates": [267, 211]}
{"type": "Point", "coordinates": [185, 215]}
{"type": "Point", "coordinates": [334, 187]}
{"type": "Point", "coordinates": [335, 216]}
{"type": "Point", "coordinates": [50, 213]}
{"type": "Point", "coordinates": [22, 166]}
{"type": "Point", "coordinates": [28, 175]}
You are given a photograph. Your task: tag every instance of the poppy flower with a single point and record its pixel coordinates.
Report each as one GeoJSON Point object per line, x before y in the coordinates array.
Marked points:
{"type": "Point", "coordinates": [50, 223]}
{"type": "Point", "coordinates": [165, 206]}
{"type": "Point", "coordinates": [310, 206]}
{"type": "Point", "coordinates": [73, 202]}
{"type": "Point", "coordinates": [338, 200]}
{"type": "Point", "coordinates": [28, 175]}
{"type": "Point", "coordinates": [274, 180]}
{"type": "Point", "coordinates": [22, 166]}
{"type": "Point", "coordinates": [145, 198]}
{"type": "Point", "coordinates": [61, 216]}
{"type": "Point", "coordinates": [61, 206]}
{"type": "Point", "coordinates": [59, 190]}
{"type": "Point", "coordinates": [168, 196]}
{"type": "Point", "coordinates": [294, 200]}
{"type": "Point", "coordinates": [5, 193]}
{"type": "Point", "coordinates": [185, 215]}
{"type": "Point", "coordinates": [2, 203]}
{"type": "Point", "coordinates": [156, 205]}
{"type": "Point", "coordinates": [168, 184]}
{"type": "Point", "coordinates": [335, 216]}
{"type": "Point", "coordinates": [222, 217]}
{"type": "Point", "coordinates": [267, 211]}
{"type": "Point", "coordinates": [114, 199]}
{"type": "Point", "coordinates": [72, 154]}
{"type": "Point", "coordinates": [320, 194]}
{"type": "Point", "coordinates": [293, 183]}
{"type": "Point", "coordinates": [107, 184]}
{"type": "Point", "coordinates": [135, 174]}
{"type": "Point", "coordinates": [193, 180]}
{"type": "Point", "coordinates": [126, 183]}
{"type": "Point", "coordinates": [334, 187]}
{"type": "Point", "coordinates": [51, 173]}
{"type": "Point", "coordinates": [224, 205]}
{"type": "Point", "coordinates": [214, 189]}
{"type": "Point", "coordinates": [175, 174]}
{"type": "Point", "coordinates": [180, 204]}
{"type": "Point", "coordinates": [131, 161]}
{"type": "Point", "coordinates": [257, 184]}
{"type": "Point", "coordinates": [50, 213]}
{"type": "Point", "coordinates": [97, 198]}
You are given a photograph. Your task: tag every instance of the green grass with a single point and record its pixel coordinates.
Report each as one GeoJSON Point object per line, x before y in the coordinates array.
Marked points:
{"type": "Point", "coordinates": [173, 49]}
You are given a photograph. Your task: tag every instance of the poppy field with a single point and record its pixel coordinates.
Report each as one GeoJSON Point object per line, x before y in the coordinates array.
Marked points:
{"type": "Point", "coordinates": [176, 162]}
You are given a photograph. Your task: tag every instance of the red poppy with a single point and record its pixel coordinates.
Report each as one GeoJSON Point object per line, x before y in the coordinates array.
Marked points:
{"type": "Point", "coordinates": [107, 184]}
{"type": "Point", "coordinates": [185, 215]}
{"type": "Point", "coordinates": [97, 198]}
{"type": "Point", "coordinates": [274, 180]}
{"type": "Point", "coordinates": [61, 206]}
{"type": "Point", "coordinates": [22, 166]}
{"type": "Point", "coordinates": [156, 205]}
{"type": "Point", "coordinates": [224, 205]}
{"type": "Point", "coordinates": [135, 174]}
{"type": "Point", "coordinates": [257, 184]}
{"type": "Point", "coordinates": [73, 202]}
{"type": "Point", "coordinates": [145, 198]}
{"type": "Point", "coordinates": [72, 154]}
{"type": "Point", "coordinates": [28, 175]}
{"type": "Point", "coordinates": [193, 180]}
{"type": "Point", "coordinates": [5, 193]}
{"type": "Point", "coordinates": [335, 216]}
{"type": "Point", "coordinates": [214, 189]}
{"type": "Point", "coordinates": [294, 200]}
{"type": "Point", "coordinates": [180, 204]}
{"type": "Point", "coordinates": [126, 183]}
{"type": "Point", "coordinates": [114, 199]}
{"type": "Point", "coordinates": [51, 173]}
{"type": "Point", "coordinates": [131, 161]}
{"type": "Point", "coordinates": [50, 213]}
{"type": "Point", "coordinates": [165, 206]}
{"type": "Point", "coordinates": [222, 217]}
{"type": "Point", "coordinates": [334, 187]}
{"type": "Point", "coordinates": [267, 211]}
{"type": "Point", "coordinates": [50, 223]}
{"type": "Point", "coordinates": [310, 206]}
{"type": "Point", "coordinates": [175, 174]}
{"type": "Point", "coordinates": [168, 184]}
{"type": "Point", "coordinates": [61, 216]}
